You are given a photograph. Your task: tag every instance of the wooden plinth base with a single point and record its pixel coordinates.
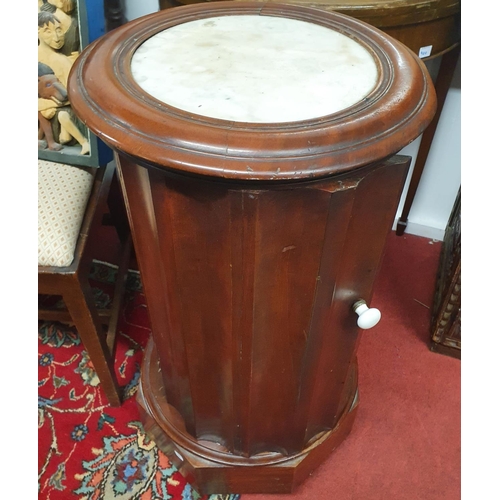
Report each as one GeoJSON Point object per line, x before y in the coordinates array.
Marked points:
{"type": "Point", "coordinates": [212, 469]}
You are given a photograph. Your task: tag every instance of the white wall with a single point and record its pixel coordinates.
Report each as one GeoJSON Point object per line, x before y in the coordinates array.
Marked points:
{"type": "Point", "coordinates": [441, 177]}
{"type": "Point", "coordinates": [440, 180]}
{"type": "Point", "coordinates": [137, 8]}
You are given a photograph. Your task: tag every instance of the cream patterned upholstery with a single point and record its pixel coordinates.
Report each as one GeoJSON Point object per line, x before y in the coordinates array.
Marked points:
{"type": "Point", "coordinates": [63, 192]}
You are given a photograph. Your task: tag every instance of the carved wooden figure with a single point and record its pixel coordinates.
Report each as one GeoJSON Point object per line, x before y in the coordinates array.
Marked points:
{"type": "Point", "coordinates": [58, 46]}
{"type": "Point", "coordinates": [255, 145]}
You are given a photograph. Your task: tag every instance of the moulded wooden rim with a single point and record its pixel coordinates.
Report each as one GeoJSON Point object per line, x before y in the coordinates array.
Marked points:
{"type": "Point", "coordinates": [104, 94]}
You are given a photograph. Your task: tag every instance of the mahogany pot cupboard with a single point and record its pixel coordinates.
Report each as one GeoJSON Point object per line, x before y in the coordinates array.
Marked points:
{"type": "Point", "coordinates": [255, 144]}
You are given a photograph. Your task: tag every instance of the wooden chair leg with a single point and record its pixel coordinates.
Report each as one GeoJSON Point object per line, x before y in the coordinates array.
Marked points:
{"type": "Point", "coordinates": [80, 304]}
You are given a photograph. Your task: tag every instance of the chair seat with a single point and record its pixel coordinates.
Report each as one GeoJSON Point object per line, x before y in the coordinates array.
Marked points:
{"type": "Point", "coordinates": [63, 193]}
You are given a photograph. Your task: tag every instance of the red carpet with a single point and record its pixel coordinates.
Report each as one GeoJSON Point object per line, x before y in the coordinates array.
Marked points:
{"type": "Point", "coordinates": [87, 449]}
{"type": "Point", "coordinates": [405, 443]}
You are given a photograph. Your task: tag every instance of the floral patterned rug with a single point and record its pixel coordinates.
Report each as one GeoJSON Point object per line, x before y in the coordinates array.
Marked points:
{"type": "Point", "coordinates": [87, 449]}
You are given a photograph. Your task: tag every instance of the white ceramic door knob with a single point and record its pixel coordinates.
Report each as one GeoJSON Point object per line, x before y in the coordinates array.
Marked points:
{"type": "Point", "coordinates": [368, 316]}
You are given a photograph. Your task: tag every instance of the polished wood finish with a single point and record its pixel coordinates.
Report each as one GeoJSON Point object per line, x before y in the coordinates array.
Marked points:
{"type": "Point", "coordinates": [253, 242]}
{"type": "Point", "coordinates": [96, 328]}
{"type": "Point", "coordinates": [446, 315]}
{"type": "Point", "coordinates": [239, 281]}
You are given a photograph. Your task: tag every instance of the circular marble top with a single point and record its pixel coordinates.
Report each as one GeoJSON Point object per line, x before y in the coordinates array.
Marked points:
{"type": "Point", "coordinates": [249, 91]}
{"type": "Point", "coordinates": [254, 68]}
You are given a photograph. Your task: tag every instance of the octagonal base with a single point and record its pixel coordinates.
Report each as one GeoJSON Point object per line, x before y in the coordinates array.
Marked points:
{"type": "Point", "coordinates": [212, 469]}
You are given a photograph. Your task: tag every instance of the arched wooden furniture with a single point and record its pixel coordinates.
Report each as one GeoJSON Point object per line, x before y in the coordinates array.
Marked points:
{"type": "Point", "coordinates": [66, 254]}
{"type": "Point", "coordinates": [259, 206]}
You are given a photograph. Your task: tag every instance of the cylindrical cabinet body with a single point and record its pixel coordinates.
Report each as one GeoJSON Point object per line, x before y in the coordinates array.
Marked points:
{"type": "Point", "coordinates": [254, 289]}
{"type": "Point", "coordinates": [254, 236]}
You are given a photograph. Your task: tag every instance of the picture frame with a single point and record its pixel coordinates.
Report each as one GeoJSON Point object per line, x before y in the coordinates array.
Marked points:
{"type": "Point", "coordinates": [65, 28]}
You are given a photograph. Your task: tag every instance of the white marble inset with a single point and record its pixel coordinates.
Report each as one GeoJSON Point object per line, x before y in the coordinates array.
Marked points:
{"type": "Point", "coordinates": [254, 68]}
